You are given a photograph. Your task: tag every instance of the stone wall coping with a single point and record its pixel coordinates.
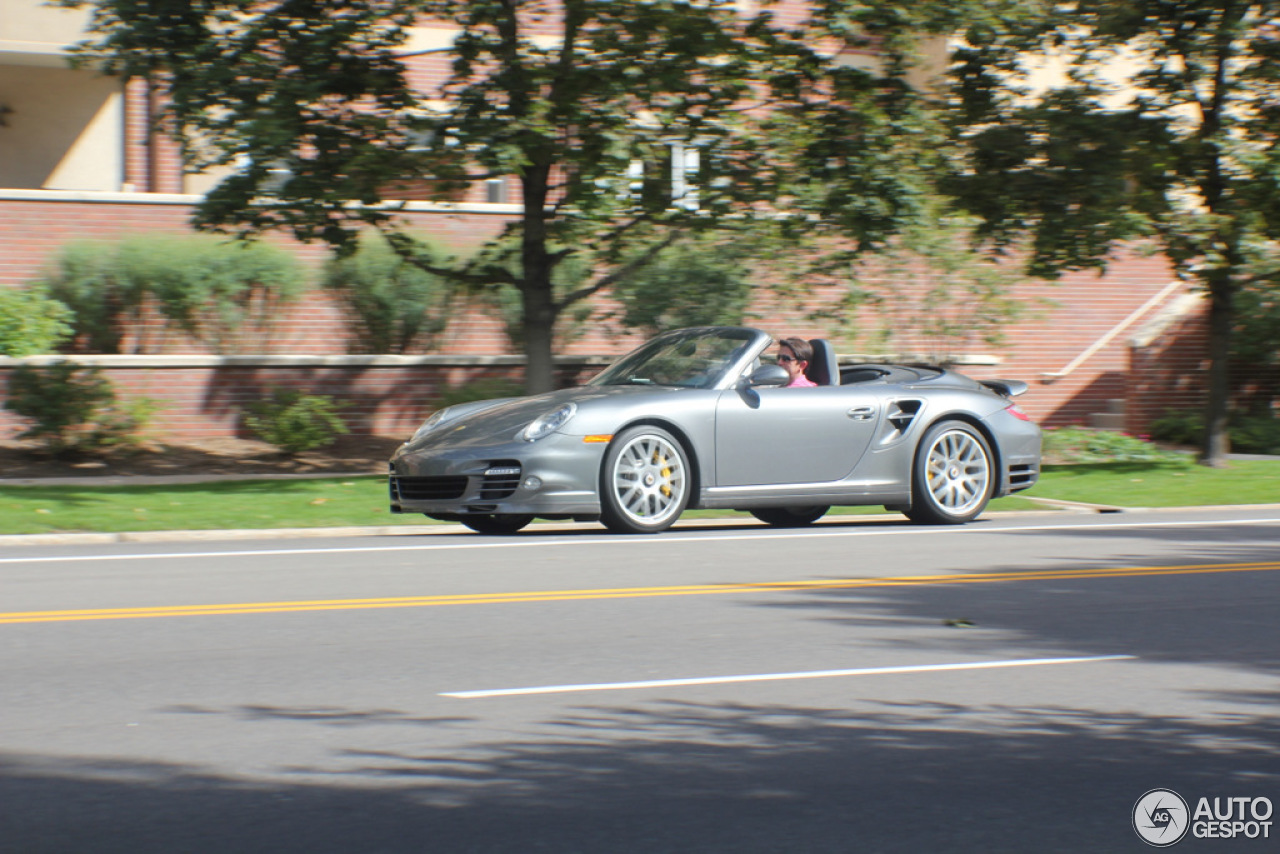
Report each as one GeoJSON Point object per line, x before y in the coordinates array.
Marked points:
{"type": "Point", "coordinates": [267, 360]}
{"type": "Point", "coordinates": [294, 361]}
{"type": "Point", "coordinates": [190, 199]}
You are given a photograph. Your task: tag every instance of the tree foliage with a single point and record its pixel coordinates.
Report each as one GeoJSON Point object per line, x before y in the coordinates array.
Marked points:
{"type": "Point", "coordinates": [628, 125]}
{"type": "Point", "coordinates": [1162, 126]}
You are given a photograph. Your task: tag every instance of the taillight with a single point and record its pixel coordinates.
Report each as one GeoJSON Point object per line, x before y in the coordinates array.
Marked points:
{"type": "Point", "coordinates": [1017, 413]}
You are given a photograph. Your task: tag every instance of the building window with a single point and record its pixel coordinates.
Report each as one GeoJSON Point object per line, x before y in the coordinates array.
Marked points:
{"type": "Point", "coordinates": [673, 182]}
{"type": "Point", "coordinates": [495, 191]}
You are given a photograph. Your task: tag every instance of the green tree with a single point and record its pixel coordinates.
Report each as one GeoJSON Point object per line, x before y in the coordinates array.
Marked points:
{"type": "Point", "coordinates": [1163, 126]}
{"type": "Point", "coordinates": [310, 107]}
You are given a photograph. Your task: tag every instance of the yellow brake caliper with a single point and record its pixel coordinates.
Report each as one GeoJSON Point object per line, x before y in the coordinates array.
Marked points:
{"type": "Point", "coordinates": [658, 459]}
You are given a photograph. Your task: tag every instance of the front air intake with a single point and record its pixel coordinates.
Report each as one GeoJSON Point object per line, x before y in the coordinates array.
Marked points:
{"type": "Point", "coordinates": [500, 480]}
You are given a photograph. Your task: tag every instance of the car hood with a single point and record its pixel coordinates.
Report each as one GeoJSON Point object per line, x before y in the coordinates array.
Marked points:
{"type": "Point", "coordinates": [503, 421]}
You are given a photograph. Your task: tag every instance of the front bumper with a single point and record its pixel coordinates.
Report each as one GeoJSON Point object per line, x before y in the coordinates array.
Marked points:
{"type": "Point", "coordinates": [555, 476]}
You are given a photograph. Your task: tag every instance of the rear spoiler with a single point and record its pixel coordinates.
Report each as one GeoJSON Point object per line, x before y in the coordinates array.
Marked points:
{"type": "Point", "coordinates": [1008, 388]}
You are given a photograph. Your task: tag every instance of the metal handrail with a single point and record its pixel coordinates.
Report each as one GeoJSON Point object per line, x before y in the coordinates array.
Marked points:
{"type": "Point", "coordinates": [1106, 339]}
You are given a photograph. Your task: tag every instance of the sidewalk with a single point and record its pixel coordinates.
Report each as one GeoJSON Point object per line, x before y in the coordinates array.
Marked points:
{"type": "Point", "coordinates": [1052, 507]}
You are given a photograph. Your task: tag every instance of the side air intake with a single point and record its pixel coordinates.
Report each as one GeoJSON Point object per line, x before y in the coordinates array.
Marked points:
{"type": "Point", "coordinates": [898, 419]}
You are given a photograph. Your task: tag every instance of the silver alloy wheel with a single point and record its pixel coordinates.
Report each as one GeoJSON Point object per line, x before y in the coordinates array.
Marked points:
{"type": "Point", "coordinates": [958, 472]}
{"type": "Point", "coordinates": [649, 480]}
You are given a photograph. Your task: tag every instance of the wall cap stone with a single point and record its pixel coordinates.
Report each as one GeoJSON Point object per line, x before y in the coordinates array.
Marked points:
{"type": "Point", "coordinates": [135, 198]}
{"type": "Point", "coordinates": [293, 361]}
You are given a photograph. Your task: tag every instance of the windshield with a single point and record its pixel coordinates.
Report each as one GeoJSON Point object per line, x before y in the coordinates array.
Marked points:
{"type": "Point", "coordinates": [695, 358]}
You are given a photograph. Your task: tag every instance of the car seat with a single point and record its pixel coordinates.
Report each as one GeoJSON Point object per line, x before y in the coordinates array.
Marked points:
{"type": "Point", "coordinates": [823, 368]}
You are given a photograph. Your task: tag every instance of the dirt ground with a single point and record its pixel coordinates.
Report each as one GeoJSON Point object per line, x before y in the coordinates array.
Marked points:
{"type": "Point", "coordinates": [350, 454]}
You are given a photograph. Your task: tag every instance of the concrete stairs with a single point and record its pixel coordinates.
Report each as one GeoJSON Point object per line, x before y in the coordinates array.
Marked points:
{"type": "Point", "coordinates": [1112, 419]}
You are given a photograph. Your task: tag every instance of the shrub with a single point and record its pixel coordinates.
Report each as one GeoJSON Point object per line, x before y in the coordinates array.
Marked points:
{"type": "Point", "coordinates": [1081, 445]}
{"type": "Point", "coordinates": [75, 409]}
{"type": "Point", "coordinates": [213, 289]}
{"type": "Point", "coordinates": [485, 389]}
{"type": "Point", "coordinates": [391, 304]}
{"type": "Point", "coordinates": [295, 422]}
{"type": "Point", "coordinates": [702, 281]}
{"type": "Point", "coordinates": [1249, 434]}
{"type": "Point", "coordinates": [31, 322]}
{"type": "Point", "coordinates": [103, 303]}
{"type": "Point", "coordinates": [1178, 428]}
{"type": "Point", "coordinates": [208, 288]}
{"type": "Point", "coordinates": [1255, 434]}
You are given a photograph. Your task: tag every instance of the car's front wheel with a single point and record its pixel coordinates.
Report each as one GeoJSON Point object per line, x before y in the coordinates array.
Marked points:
{"type": "Point", "coordinates": [496, 523]}
{"type": "Point", "coordinates": [644, 482]}
{"type": "Point", "coordinates": [953, 476]}
{"type": "Point", "coordinates": [789, 517]}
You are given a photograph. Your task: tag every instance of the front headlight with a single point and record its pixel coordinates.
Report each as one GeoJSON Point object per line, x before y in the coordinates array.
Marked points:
{"type": "Point", "coordinates": [548, 423]}
{"type": "Point", "coordinates": [430, 423]}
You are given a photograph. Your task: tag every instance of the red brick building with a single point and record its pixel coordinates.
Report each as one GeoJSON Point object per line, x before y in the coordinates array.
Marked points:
{"type": "Point", "coordinates": [80, 161]}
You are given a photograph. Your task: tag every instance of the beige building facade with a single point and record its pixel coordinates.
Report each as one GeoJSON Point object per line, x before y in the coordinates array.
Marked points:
{"type": "Point", "coordinates": [63, 128]}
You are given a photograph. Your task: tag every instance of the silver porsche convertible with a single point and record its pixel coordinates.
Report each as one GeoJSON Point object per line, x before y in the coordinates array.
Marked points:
{"type": "Point", "coordinates": [699, 418]}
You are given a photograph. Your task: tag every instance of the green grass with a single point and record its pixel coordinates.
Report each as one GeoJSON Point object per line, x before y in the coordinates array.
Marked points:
{"type": "Point", "coordinates": [207, 506]}
{"type": "Point", "coordinates": [1162, 485]}
{"type": "Point", "coordinates": [362, 501]}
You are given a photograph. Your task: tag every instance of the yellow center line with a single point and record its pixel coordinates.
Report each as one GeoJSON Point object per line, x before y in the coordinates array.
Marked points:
{"type": "Point", "coordinates": [622, 593]}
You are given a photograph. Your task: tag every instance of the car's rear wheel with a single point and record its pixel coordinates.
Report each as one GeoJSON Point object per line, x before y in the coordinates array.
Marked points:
{"type": "Point", "coordinates": [789, 517]}
{"type": "Point", "coordinates": [644, 482]}
{"type": "Point", "coordinates": [496, 523]}
{"type": "Point", "coordinates": [953, 475]}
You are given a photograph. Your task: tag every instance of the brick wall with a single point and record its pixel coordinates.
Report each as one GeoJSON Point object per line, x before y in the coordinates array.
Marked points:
{"type": "Point", "coordinates": [1063, 320]}
{"type": "Point", "coordinates": [206, 398]}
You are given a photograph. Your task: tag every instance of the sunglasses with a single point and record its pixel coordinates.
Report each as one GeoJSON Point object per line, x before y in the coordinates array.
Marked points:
{"type": "Point", "coordinates": [787, 359]}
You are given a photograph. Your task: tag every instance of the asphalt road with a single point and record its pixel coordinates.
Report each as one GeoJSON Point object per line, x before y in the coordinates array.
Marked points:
{"type": "Point", "coordinates": [1013, 685]}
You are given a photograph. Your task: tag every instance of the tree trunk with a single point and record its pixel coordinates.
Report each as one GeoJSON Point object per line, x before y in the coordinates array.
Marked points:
{"type": "Point", "coordinates": [537, 294]}
{"type": "Point", "coordinates": [1216, 441]}
{"type": "Point", "coordinates": [539, 321]}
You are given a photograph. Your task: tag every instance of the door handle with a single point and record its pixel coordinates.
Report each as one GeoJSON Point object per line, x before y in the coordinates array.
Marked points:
{"type": "Point", "coordinates": [861, 413]}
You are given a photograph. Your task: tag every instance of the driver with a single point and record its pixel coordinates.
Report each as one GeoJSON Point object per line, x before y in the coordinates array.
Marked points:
{"type": "Point", "coordinates": [794, 354]}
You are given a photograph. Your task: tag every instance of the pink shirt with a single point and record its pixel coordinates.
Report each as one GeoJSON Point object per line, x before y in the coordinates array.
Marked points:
{"type": "Point", "coordinates": [801, 381]}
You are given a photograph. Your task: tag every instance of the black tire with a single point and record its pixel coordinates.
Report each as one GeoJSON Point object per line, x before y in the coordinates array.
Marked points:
{"type": "Point", "coordinates": [495, 523]}
{"type": "Point", "coordinates": [645, 481]}
{"type": "Point", "coordinates": [789, 517]}
{"type": "Point", "coordinates": [953, 477]}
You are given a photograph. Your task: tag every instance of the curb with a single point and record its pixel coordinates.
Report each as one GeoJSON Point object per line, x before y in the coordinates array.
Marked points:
{"type": "Point", "coordinates": [1081, 506]}
{"type": "Point", "coordinates": [440, 528]}
{"type": "Point", "coordinates": [1052, 506]}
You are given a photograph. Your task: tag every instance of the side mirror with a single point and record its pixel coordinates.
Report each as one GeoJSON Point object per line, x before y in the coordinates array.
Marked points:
{"type": "Point", "coordinates": [766, 375]}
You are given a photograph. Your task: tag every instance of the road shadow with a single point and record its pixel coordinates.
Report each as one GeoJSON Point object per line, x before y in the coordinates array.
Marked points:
{"type": "Point", "coordinates": [671, 777]}
{"type": "Point", "coordinates": [1216, 603]}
